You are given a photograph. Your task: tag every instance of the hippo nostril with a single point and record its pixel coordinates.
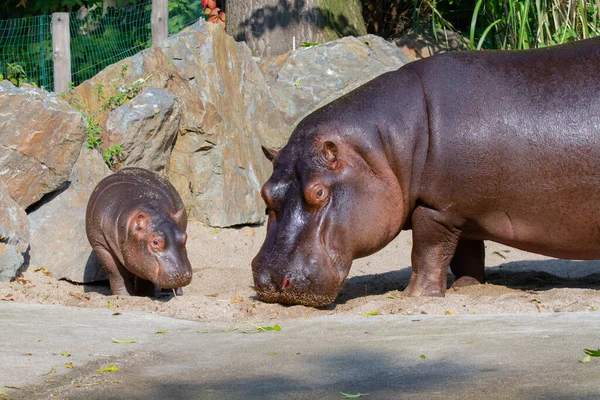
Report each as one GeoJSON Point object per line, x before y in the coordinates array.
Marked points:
{"type": "Point", "coordinates": [286, 283]}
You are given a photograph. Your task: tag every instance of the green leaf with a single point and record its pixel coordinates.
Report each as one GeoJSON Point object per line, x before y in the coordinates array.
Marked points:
{"type": "Point", "coordinates": [353, 396]}
{"type": "Point", "coordinates": [110, 368]}
{"type": "Point", "coordinates": [272, 353]}
{"type": "Point", "coordinates": [593, 353]}
{"type": "Point", "coordinates": [390, 296]}
{"type": "Point", "coordinates": [264, 328]}
{"type": "Point", "coordinates": [297, 83]}
{"type": "Point", "coordinates": [127, 341]}
{"type": "Point", "coordinates": [69, 365]}
{"type": "Point", "coordinates": [203, 331]}
{"type": "Point", "coordinates": [593, 309]}
{"type": "Point", "coordinates": [586, 359]}
{"type": "Point", "coordinates": [423, 356]}
{"type": "Point", "coordinates": [370, 313]}
{"type": "Point", "coordinates": [160, 332]}
{"type": "Point", "coordinates": [214, 231]}
{"type": "Point", "coordinates": [65, 354]}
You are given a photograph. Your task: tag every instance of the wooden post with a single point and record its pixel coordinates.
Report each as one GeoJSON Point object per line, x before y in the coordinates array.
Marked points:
{"type": "Point", "coordinates": [61, 50]}
{"type": "Point", "coordinates": [160, 21]}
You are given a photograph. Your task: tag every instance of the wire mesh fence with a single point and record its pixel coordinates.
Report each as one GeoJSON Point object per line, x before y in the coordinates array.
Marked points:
{"type": "Point", "coordinates": [26, 50]}
{"type": "Point", "coordinates": [99, 37]}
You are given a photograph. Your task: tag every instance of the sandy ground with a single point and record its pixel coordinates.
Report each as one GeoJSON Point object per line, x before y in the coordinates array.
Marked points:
{"type": "Point", "coordinates": [222, 287]}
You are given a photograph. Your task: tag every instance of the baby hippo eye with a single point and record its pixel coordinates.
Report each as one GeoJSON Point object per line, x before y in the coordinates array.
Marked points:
{"type": "Point", "coordinates": [316, 194]}
{"type": "Point", "coordinates": [157, 243]}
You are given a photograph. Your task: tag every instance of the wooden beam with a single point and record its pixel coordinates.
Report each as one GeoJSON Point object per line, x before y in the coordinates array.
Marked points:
{"type": "Point", "coordinates": [160, 21]}
{"type": "Point", "coordinates": [61, 51]}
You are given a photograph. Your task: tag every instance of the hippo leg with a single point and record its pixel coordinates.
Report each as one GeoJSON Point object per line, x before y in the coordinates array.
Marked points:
{"type": "Point", "coordinates": [467, 265]}
{"type": "Point", "coordinates": [435, 237]}
{"type": "Point", "coordinates": [143, 287]}
{"type": "Point", "coordinates": [121, 280]}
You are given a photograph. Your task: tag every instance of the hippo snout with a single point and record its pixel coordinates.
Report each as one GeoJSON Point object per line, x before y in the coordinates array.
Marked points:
{"type": "Point", "coordinates": [313, 289]}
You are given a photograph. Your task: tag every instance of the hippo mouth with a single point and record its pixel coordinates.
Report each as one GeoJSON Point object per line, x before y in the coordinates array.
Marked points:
{"type": "Point", "coordinates": [296, 298]}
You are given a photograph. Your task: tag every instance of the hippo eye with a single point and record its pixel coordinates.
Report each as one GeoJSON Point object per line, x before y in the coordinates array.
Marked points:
{"type": "Point", "coordinates": [157, 244]}
{"type": "Point", "coordinates": [316, 194]}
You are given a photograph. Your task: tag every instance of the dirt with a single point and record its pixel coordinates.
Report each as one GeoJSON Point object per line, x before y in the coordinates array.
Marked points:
{"type": "Point", "coordinates": [222, 287]}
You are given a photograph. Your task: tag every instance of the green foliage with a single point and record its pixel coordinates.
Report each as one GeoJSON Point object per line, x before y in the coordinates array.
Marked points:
{"type": "Point", "coordinates": [112, 155]}
{"type": "Point", "coordinates": [182, 13]}
{"type": "Point", "coordinates": [16, 75]}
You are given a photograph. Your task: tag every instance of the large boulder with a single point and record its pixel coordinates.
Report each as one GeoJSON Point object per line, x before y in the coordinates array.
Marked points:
{"type": "Point", "coordinates": [40, 138]}
{"type": "Point", "coordinates": [146, 128]}
{"type": "Point", "coordinates": [217, 164]}
{"type": "Point", "coordinates": [306, 79]}
{"type": "Point", "coordinates": [58, 239]}
{"type": "Point", "coordinates": [14, 235]}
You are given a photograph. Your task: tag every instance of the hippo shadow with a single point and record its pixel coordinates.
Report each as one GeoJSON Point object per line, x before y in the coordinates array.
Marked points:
{"type": "Point", "coordinates": [537, 275]}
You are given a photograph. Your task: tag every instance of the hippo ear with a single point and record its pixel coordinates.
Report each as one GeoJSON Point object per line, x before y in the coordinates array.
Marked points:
{"type": "Point", "coordinates": [178, 216]}
{"type": "Point", "coordinates": [141, 222]}
{"type": "Point", "coordinates": [330, 153]}
{"type": "Point", "coordinates": [270, 153]}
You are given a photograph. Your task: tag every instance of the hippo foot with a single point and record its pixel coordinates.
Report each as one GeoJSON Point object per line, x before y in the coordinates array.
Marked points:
{"type": "Point", "coordinates": [421, 286]}
{"type": "Point", "coordinates": [465, 281]}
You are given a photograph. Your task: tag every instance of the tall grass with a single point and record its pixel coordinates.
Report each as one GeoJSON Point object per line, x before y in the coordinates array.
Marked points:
{"type": "Point", "coordinates": [512, 24]}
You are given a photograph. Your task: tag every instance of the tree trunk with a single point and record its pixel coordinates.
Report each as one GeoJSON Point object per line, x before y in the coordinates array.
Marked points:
{"type": "Point", "coordinates": [271, 27]}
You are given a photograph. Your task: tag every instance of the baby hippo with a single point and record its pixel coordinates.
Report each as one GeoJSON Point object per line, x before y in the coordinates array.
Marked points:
{"type": "Point", "coordinates": [135, 222]}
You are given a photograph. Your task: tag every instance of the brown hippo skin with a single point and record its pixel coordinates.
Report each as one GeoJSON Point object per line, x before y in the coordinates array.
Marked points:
{"type": "Point", "coordinates": [136, 222]}
{"type": "Point", "coordinates": [460, 148]}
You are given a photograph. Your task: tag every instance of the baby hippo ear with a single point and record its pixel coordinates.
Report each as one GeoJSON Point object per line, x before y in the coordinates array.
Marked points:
{"type": "Point", "coordinates": [141, 222]}
{"type": "Point", "coordinates": [178, 216]}
{"type": "Point", "coordinates": [270, 153]}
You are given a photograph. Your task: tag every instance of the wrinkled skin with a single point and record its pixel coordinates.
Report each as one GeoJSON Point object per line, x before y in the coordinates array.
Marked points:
{"type": "Point", "coordinates": [460, 148]}
{"type": "Point", "coordinates": [136, 222]}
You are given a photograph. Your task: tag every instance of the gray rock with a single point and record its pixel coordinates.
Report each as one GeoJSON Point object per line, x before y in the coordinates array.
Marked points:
{"type": "Point", "coordinates": [308, 78]}
{"type": "Point", "coordinates": [146, 128]}
{"type": "Point", "coordinates": [58, 238]}
{"type": "Point", "coordinates": [40, 138]}
{"type": "Point", "coordinates": [14, 235]}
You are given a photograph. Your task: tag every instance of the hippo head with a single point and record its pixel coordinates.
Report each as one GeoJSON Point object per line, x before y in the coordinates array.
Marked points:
{"type": "Point", "coordinates": [330, 199]}
{"type": "Point", "coordinates": [155, 247]}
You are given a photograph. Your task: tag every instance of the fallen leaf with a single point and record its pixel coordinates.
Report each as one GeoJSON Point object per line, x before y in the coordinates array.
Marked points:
{"type": "Point", "coordinates": [44, 270]}
{"type": "Point", "coordinates": [52, 370]}
{"type": "Point", "coordinates": [126, 341]}
{"type": "Point", "coordinates": [65, 354]}
{"type": "Point", "coordinates": [586, 359]}
{"type": "Point", "coordinates": [353, 396]}
{"type": "Point", "coordinates": [264, 328]}
{"type": "Point", "coordinates": [203, 331]}
{"type": "Point", "coordinates": [69, 365]}
{"type": "Point", "coordinates": [499, 254]}
{"type": "Point", "coordinates": [117, 313]}
{"type": "Point", "coordinates": [593, 353]}
{"type": "Point", "coordinates": [370, 314]}
{"type": "Point", "coordinates": [233, 328]}
{"type": "Point", "coordinates": [110, 368]}
{"type": "Point", "coordinates": [212, 295]}
{"type": "Point", "coordinates": [272, 354]}
{"type": "Point", "coordinates": [160, 332]}
{"type": "Point", "coordinates": [391, 296]}
{"type": "Point", "coordinates": [423, 356]}
{"type": "Point", "coordinates": [448, 312]}
{"type": "Point", "coordinates": [297, 83]}
{"type": "Point", "coordinates": [214, 231]}
{"type": "Point", "coordinates": [26, 354]}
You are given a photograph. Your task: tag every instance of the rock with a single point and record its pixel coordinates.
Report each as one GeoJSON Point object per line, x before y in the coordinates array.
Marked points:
{"type": "Point", "coordinates": [14, 235]}
{"type": "Point", "coordinates": [217, 164]}
{"type": "Point", "coordinates": [308, 78]}
{"type": "Point", "coordinates": [422, 45]}
{"type": "Point", "coordinates": [40, 138]}
{"type": "Point", "coordinates": [58, 238]}
{"type": "Point", "coordinates": [146, 129]}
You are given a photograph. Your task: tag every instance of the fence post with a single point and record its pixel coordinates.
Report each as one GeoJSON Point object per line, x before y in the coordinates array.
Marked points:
{"type": "Point", "coordinates": [61, 50]}
{"type": "Point", "coordinates": [160, 20]}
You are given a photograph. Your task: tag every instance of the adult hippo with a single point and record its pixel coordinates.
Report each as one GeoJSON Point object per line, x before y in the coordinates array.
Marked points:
{"type": "Point", "coordinates": [460, 148]}
{"type": "Point", "coordinates": [136, 222]}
